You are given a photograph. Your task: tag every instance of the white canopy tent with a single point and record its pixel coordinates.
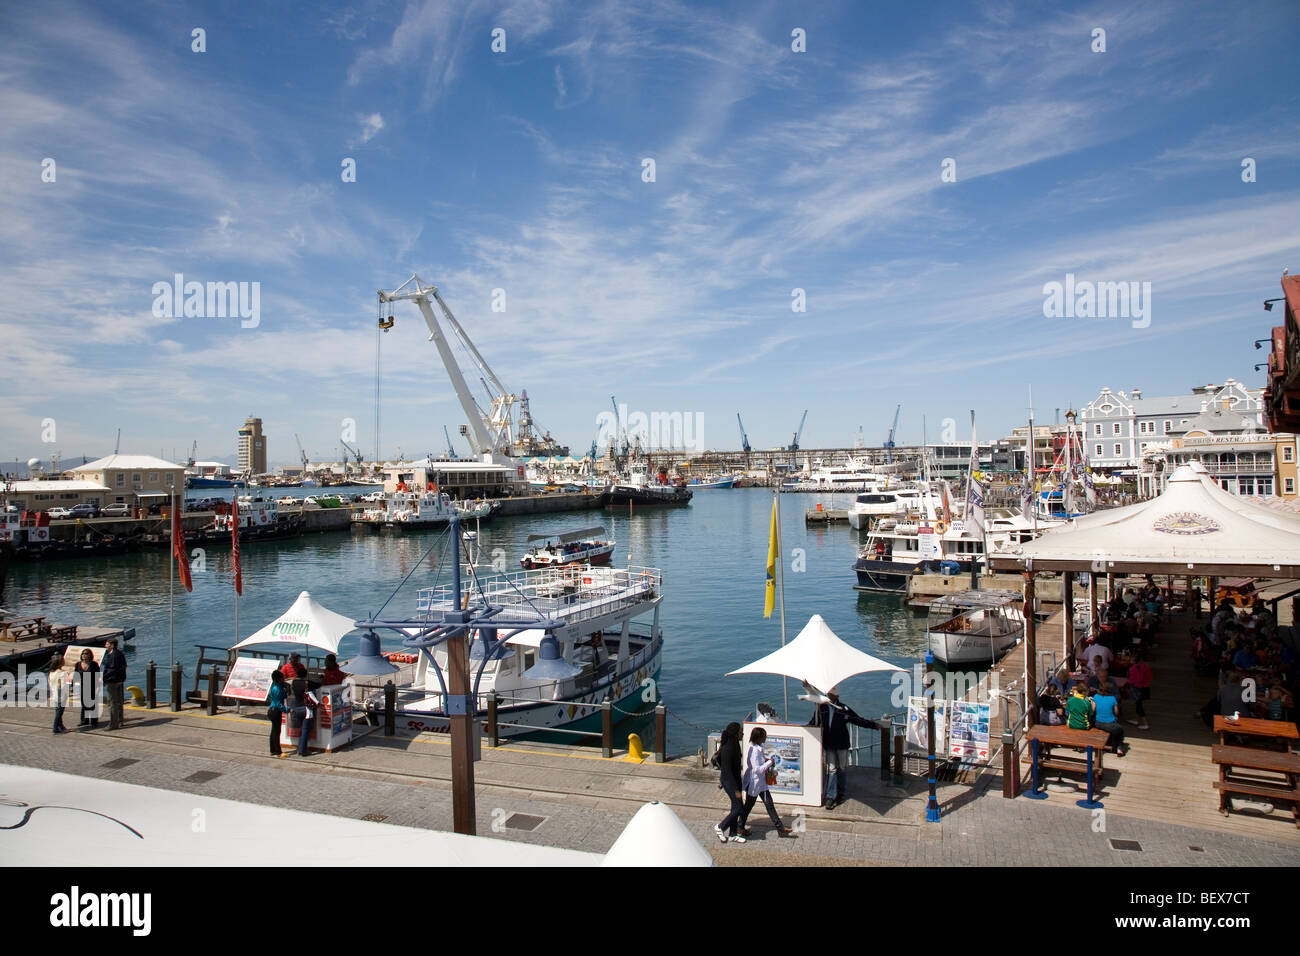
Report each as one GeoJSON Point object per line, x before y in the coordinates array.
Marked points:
{"type": "Point", "coordinates": [1194, 527]}
{"type": "Point", "coordinates": [306, 622]}
{"type": "Point", "coordinates": [818, 657]}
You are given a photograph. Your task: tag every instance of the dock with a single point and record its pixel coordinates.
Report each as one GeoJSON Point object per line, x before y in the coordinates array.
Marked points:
{"type": "Point", "coordinates": [820, 515]}
{"type": "Point", "coordinates": [572, 797]}
{"type": "Point", "coordinates": [32, 641]}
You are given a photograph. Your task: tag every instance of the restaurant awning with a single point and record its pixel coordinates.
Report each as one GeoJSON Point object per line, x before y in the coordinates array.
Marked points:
{"type": "Point", "coordinates": [1194, 527]}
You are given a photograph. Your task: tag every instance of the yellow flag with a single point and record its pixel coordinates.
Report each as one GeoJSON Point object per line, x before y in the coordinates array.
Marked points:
{"type": "Point", "coordinates": [773, 552]}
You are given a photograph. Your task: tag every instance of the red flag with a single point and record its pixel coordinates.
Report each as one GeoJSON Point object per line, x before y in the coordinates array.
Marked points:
{"type": "Point", "coordinates": [178, 548]}
{"type": "Point", "coordinates": [234, 543]}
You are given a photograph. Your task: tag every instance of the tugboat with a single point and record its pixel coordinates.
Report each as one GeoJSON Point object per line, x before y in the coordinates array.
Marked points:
{"type": "Point", "coordinates": [573, 547]}
{"type": "Point", "coordinates": [640, 490]}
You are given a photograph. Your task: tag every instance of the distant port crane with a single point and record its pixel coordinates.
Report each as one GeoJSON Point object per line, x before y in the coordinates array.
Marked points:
{"type": "Point", "coordinates": [301, 454]}
{"type": "Point", "coordinates": [744, 439]}
{"type": "Point", "coordinates": [354, 452]}
{"type": "Point", "coordinates": [889, 442]}
{"type": "Point", "coordinates": [794, 444]}
{"type": "Point", "coordinates": [451, 449]}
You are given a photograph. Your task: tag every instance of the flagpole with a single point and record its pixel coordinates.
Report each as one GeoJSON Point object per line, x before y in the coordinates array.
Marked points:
{"type": "Point", "coordinates": [780, 576]}
{"type": "Point", "coordinates": [171, 589]}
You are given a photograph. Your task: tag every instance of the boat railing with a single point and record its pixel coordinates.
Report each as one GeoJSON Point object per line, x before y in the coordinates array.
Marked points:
{"type": "Point", "coordinates": [568, 592]}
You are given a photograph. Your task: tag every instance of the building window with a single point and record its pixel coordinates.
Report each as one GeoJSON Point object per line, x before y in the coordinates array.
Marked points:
{"type": "Point", "coordinates": [1100, 453]}
{"type": "Point", "coordinates": [121, 479]}
{"type": "Point", "coordinates": [1097, 429]}
{"type": "Point", "coordinates": [1114, 429]}
{"type": "Point", "coordinates": [136, 477]}
{"type": "Point", "coordinates": [1245, 486]}
{"type": "Point", "coordinates": [1170, 425]}
{"type": "Point", "coordinates": [171, 480]}
{"type": "Point", "coordinates": [1289, 485]}
{"type": "Point", "coordinates": [1288, 452]}
{"type": "Point", "coordinates": [153, 477]}
{"type": "Point", "coordinates": [1119, 450]}
{"type": "Point", "coordinates": [1264, 486]}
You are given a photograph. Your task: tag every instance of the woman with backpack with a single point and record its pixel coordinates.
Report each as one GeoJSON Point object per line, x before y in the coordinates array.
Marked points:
{"type": "Point", "coordinates": [727, 761]}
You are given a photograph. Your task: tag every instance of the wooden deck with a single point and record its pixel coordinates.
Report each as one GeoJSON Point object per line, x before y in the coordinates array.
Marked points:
{"type": "Point", "coordinates": [1168, 774]}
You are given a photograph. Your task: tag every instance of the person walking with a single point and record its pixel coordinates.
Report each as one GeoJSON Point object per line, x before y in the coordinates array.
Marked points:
{"type": "Point", "coordinates": [60, 683]}
{"type": "Point", "coordinates": [727, 761]}
{"type": "Point", "coordinates": [755, 782]}
{"type": "Point", "coordinates": [834, 718]}
{"type": "Point", "coordinates": [86, 677]}
{"type": "Point", "coordinates": [114, 677]}
{"type": "Point", "coordinates": [1139, 682]}
{"type": "Point", "coordinates": [275, 710]}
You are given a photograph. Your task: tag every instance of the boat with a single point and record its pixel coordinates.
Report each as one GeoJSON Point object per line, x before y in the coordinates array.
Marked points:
{"type": "Point", "coordinates": [409, 511]}
{"type": "Point", "coordinates": [711, 481]}
{"type": "Point", "coordinates": [638, 489]}
{"type": "Point", "coordinates": [852, 476]}
{"type": "Point", "coordinates": [974, 626]}
{"type": "Point", "coordinates": [572, 547]}
{"type": "Point", "coordinates": [259, 517]}
{"type": "Point", "coordinates": [883, 502]}
{"type": "Point", "coordinates": [593, 614]}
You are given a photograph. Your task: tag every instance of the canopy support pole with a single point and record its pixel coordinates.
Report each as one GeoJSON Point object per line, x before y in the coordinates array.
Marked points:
{"type": "Point", "coordinates": [1031, 652]}
{"type": "Point", "coordinates": [1067, 587]}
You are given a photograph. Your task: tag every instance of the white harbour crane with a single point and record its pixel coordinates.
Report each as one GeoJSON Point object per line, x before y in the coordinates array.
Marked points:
{"type": "Point", "coordinates": [491, 432]}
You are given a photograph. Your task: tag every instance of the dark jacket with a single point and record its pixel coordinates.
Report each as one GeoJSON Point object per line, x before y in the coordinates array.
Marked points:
{"type": "Point", "coordinates": [834, 719]}
{"type": "Point", "coordinates": [114, 669]}
{"type": "Point", "coordinates": [729, 765]}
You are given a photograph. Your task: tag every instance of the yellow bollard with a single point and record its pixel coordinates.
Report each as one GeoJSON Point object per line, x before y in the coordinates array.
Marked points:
{"type": "Point", "coordinates": [137, 696]}
{"type": "Point", "coordinates": [634, 752]}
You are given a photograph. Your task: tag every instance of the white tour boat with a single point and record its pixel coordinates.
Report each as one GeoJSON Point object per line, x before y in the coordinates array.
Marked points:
{"type": "Point", "coordinates": [975, 626]}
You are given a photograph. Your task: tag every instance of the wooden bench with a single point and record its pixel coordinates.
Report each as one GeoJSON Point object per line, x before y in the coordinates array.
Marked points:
{"type": "Point", "coordinates": [1044, 737]}
{"type": "Point", "coordinates": [1240, 769]}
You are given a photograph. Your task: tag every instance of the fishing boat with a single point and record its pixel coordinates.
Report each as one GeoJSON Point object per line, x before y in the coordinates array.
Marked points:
{"type": "Point", "coordinates": [974, 626]}
{"type": "Point", "coordinates": [599, 649]}
{"type": "Point", "coordinates": [711, 481]}
{"type": "Point", "coordinates": [587, 546]}
{"type": "Point", "coordinates": [410, 511]}
{"type": "Point", "coordinates": [638, 489]}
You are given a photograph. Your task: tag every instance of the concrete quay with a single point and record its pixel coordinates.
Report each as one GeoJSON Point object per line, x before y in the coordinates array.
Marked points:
{"type": "Point", "coordinates": [571, 797]}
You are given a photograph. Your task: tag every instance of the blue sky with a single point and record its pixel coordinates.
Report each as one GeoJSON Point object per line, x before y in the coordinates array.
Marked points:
{"type": "Point", "coordinates": [522, 171]}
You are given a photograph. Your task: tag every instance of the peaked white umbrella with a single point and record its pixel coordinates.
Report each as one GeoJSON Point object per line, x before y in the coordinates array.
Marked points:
{"type": "Point", "coordinates": [817, 657]}
{"type": "Point", "coordinates": [306, 622]}
{"type": "Point", "coordinates": [656, 837]}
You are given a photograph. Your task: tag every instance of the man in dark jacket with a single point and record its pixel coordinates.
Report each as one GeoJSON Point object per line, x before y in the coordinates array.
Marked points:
{"type": "Point", "coordinates": [114, 676]}
{"type": "Point", "coordinates": [834, 718]}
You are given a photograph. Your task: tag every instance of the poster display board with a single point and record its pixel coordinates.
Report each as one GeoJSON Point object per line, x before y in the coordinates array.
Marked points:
{"type": "Point", "coordinates": [918, 725]}
{"type": "Point", "coordinates": [968, 734]}
{"type": "Point", "coordinates": [250, 679]}
{"type": "Point", "coordinates": [799, 770]}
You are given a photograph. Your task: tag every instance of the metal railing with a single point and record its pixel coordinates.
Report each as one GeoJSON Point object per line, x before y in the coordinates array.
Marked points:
{"type": "Point", "coordinates": [576, 594]}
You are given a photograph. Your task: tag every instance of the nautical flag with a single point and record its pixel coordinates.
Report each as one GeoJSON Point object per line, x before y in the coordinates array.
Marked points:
{"type": "Point", "coordinates": [234, 544]}
{"type": "Point", "coordinates": [1027, 499]}
{"type": "Point", "coordinates": [178, 547]}
{"type": "Point", "coordinates": [773, 554]}
{"type": "Point", "coordinates": [975, 505]}
{"type": "Point", "coordinates": [1067, 494]}
{"type": "Point", "coordinates": [1089, 491]}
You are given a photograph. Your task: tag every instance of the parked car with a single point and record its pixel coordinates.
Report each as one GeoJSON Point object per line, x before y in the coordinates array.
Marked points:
{"type": "Point", "coordinates": [84, 510]}
{"type": "Point", "coordinates": [373, 496]}
{"type": "Point", "coordinates": [116, 511]}
{"type": "Point", "coordinates": [59, 512]}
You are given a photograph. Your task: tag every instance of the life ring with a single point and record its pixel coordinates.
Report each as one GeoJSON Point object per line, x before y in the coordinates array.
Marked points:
{"type": "Point", "coordinates": [940, 527]}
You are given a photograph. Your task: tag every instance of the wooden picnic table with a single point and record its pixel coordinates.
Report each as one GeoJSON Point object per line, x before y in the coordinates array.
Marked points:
{"type": "Point", "coordinates": [1044, 737]}
{"type": "Point", "coordinates": [1256, 732]}
{"type": "Point", "coordinates": [1241, 770]}
{"type": "Point", "coordinates": [21, 628]}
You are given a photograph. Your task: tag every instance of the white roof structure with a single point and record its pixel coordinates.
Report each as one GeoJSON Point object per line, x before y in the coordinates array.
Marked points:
{"type": "Point", "coordinates": [817, 657]}
{"type": "Point", "coordinates": [306, 622]}
{"type": "Point", "coordinates": [1194, 527]}
{"type": "Point", "coordinates": [137, 462]}
{"type": "Point", "coordinates": [656, 837]}
{"type": "Point", "coordinates": [57, 484]}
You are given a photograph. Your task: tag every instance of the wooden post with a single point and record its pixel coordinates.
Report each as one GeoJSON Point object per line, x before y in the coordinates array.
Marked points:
{"type": "Point", "coordinates": [884, 752]}
{"type": "Point", "coordinates": [1010, 763]}
{"type": "Point", "coordinates": [390, 709]}
{"type": "Point", "coordinates": [462, 728]}
{"type": "Point", "coordinates": [494, 737]}
{"type": "Point", "coordinates": [1031, 651]}
{"type": "Point", "coordinates": [151, 684]}
{"type": "Point", "coordinates": [212, 691]}
{"type": "Point", "coordinates": [1110, 586]}
{"type": "Point", "coordinates": [1068, 599]}
{"type": "Point", "coordinates": [176, 686]}
{"type": "Point", "coordinates": [606, 728]}
{"type": "Point", "coordinates": [661, 733]}
{"type": "Point", "coordinates": [1214, 586]}
{"type": "Point", "coordinates": [898, 760]}
{"type": "Point", "coordinates": [1094, 585]}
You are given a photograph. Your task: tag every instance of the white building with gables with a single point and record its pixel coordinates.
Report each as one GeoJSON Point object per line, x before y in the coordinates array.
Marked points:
{"type": "Point", "coordinates": [1120, 428]}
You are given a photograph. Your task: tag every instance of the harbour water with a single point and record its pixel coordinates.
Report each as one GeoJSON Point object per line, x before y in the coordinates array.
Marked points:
{"type": "Point", "coordinates": [712, 555]}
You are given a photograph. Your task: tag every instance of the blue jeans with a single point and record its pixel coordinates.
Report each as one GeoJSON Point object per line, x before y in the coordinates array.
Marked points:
{"type": "Point", "coordinates": [732, 820]}
{"type": "Point", "coordinates": [835, 761]}
{"type": "Point", "coordinates": [307, 723]}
